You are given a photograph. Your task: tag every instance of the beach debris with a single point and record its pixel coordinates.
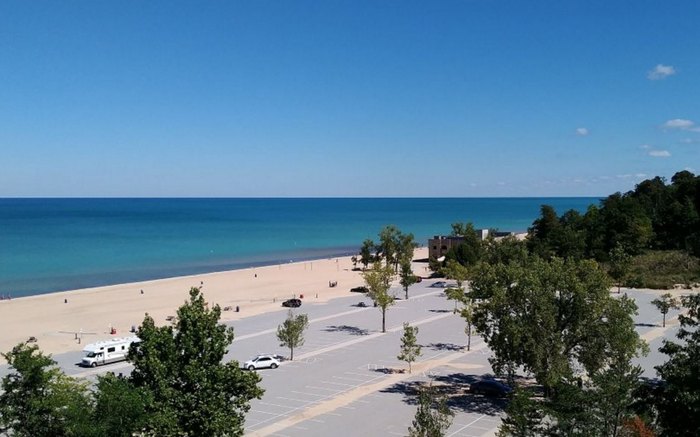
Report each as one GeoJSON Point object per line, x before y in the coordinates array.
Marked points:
{"type": "Point", "coordinates": [227, 308]}
{"type": "Point", "coordinates": [65, 300]}
{"type": "Point", "coordinates": [31, 339]}
{"type": "Point", "coordinates": [133, 328]}
{"type": "Point", "coordinates": [142, 291]}
{"type": "Point", "coordinates": [332, 283]}
{"type": "Point", "coordinates": [170, 318]}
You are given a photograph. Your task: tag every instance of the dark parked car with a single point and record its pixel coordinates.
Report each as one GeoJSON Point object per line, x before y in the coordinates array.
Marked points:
{"type": "Point", "coordinates": [491, 388]}
{"type": "Point", "coordinates": [292, 303]}
{"type": "Point", "coordinates": [362, 305]}
{"type": "Point", "coordinates": [359, 290]}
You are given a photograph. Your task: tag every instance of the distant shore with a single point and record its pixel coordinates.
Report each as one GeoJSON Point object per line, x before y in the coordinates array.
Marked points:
{"type": "Point", "coordinates": [66, 321]}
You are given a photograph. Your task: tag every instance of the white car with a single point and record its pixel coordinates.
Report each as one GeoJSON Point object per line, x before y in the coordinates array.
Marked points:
{"type": "Point", "coordinates": [262, 362]}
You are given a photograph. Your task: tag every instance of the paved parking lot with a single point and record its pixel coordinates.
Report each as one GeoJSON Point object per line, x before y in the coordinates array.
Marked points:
{"type": "Point", "coordinates": [346, 379]}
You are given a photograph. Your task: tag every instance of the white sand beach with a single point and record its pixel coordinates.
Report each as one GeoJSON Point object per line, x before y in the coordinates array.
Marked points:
{"type": "Point", "coordinates": [94, 311]}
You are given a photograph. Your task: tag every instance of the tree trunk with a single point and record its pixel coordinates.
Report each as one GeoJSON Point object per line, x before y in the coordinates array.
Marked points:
{"type": "Point", "coordinates": [409, 367]}
{"type": "Point", "coordinates": [664, 322]}
{"type": "Point", "coordinates": [469, 337]}
{"type": "Point", "coordinates": [383, 319]}
{"type": "Point", "coordinates": [291, 354]}
{"type": "Point", "coordinates": [406, 293]}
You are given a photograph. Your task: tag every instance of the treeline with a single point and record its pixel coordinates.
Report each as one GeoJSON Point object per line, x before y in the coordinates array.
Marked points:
{"type": "Point", "coordinates": [544, 308]}
{"type": "Point", "coordinates": [648, 237]}
{"type": "Point", "coordinates": [655, 215]}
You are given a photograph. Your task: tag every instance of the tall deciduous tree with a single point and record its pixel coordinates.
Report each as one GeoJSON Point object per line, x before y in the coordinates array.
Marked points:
{"type": "Point", "coordinates": [120, 409]}
{"type": "Point", "coordinates": [664, 304]}
{"type": "Point", "coordinates": [291, 332]}
{"type": "Point", "coordinates": [679, 403]}
{"type": "Point", "coordinates": [38, 399]}
{"type": "Point", "coordinates": [620, 263]}
{"type": "Point", "coordinates": [549, 316]}
{"type": "Point", "coordinates": [367, 253]}
{"type": "Point", "coordinates": [180, 368]}
{"type": "Point", "coordinates": [407, 276]}
{"type": "Point", "coordinates": [410, 349]}
{"type": "Point", "coordinates": [433, 416]}
{"type": "Point", "coordinates": [378, 282]}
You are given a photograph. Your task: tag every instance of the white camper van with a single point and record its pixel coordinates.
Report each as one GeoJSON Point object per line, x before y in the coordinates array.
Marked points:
{"type": "Point", "coordinates": [108, 351]}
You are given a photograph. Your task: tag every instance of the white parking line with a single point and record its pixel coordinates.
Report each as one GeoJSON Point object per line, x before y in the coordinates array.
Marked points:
{"type": "Point", "coordinates": [334, 390]}
{"type": "Point", "coordinates": [306, 401]}
{"type": "Point", "coordinates": [305, 393]}
{"type": "Point", "coordinates": [339, 383]}
{"type": "Point", "coordinates": [286, 407]}
{"type": "Point", "coordinates": [467, 425]}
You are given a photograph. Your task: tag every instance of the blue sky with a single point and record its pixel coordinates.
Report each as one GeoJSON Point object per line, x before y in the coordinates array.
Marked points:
{"type": "Point", "coordinates": [346, 98]}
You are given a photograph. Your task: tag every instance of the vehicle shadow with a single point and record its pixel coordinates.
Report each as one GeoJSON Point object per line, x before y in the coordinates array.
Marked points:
{"type": "Point", "coordinates": [440, 311]}
{"type": "Point", "coordinates": [445, 347]}
{"type": "Point", "coordinates": [646, 325]}
{"type": "Point", "coordinates": [455, 388]}
{"type": "Point", "coordinates": [353, 330]}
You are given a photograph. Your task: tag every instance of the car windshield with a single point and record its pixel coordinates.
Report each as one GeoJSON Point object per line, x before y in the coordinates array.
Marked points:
{"type": "Point", "coordinates": [91, 355]}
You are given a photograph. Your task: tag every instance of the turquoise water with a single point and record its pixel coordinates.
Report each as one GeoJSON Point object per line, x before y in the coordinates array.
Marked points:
{"type": "Point", "coordinates": [59, 244]}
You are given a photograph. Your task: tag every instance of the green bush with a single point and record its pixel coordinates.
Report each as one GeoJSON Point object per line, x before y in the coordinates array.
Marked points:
{"type": "Point", "coordinates": [663, 269]}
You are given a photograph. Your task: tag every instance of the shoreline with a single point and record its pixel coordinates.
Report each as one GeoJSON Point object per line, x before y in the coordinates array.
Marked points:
{"type": "Point", "coordinates": [57, 319]}
{"type": "Point", "coordinates": [182, 271]}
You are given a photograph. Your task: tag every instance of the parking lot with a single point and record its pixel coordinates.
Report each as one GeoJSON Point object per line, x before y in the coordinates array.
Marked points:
{"type": "Point", "coordinates": [347, 380]}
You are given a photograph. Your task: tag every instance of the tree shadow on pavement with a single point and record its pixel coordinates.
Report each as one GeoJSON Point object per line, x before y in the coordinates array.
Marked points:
{"type": "Point", "coordinates": [353, 330]}
{"type": "Point", "coordinates": [445, 347]}
{"type": "Point", "coordinates": [455, 387]}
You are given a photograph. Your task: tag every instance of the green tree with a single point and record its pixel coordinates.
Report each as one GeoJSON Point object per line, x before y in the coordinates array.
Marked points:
{"type": "Point", "coordinates": [679, 401]}
{"type": "Point", "coordinates": [120, 409]}
{"type": "Point", "coordinates": [471, 250]}
{"type": "Point", "coordinates": [378, 281]}
{"type": "Point", "coordinates": [407, 277]}
{"type": "Point", "coordinates": [180, 368]}
{"type": "Point", "coordinates": [664, 304]}
{"type": "Point", "coordinates": [552, 317]}
{"type": "Point", "coordinates": [541, 237]}
{"type": "Point", "coordinates": [291, 332]}
{"type": "Point", "coordinates": [433, 416]}
{"type": "Point", "coordinates": [523, 416]}
{"type": "Point", "coordinates": [410, 349]}
{"type": "Point", "coordinates": [389, 244]}
{"type": "Point", "coordinates": [38, 399]}
{"type": "Point", "coordinates": [367, 253]}
{"type": "Point", "coordinates": [620, 263]}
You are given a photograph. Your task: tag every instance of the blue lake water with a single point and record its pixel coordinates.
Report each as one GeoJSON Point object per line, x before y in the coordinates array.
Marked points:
{"type": "Point", "coordinates": [51, 245]}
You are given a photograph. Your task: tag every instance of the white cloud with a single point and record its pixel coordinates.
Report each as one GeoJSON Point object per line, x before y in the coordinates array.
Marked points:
{"type": "Point", "coordinates": [623, 176]}
{"type": "Point", "coordinates": [661, 71]}
{"type": "Point", "coordinates": [640, 175]}
{"type": "Point", "coordinates": [581, 131]}
{"type": "Point", "coordinates": [645, 146]}
{"type": "Point", "coordinates": [690, 141]}
{"type": "Point", "coordinates": [659, 153]}
{"type": "Point", "coordinates": [681, 124]}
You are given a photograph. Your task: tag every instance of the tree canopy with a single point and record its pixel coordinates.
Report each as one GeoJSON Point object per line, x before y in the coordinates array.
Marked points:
{"type": "Point", "coordinates": [180, 368]}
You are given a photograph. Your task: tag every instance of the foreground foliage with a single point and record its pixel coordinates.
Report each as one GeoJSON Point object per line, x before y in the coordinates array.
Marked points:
{"type": "Point", "coordinates": [179, 386]}
{"type": "Point", "coordinates": [679, 395]}
{"type": "Point", "coordinates": [38, 399]}
{"type": "Point", "coordinates": [191, 390]}
{"type": "Point", "coordinates": [433, 416]}
{"type": "Point", "coordinates": [550, 317]}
